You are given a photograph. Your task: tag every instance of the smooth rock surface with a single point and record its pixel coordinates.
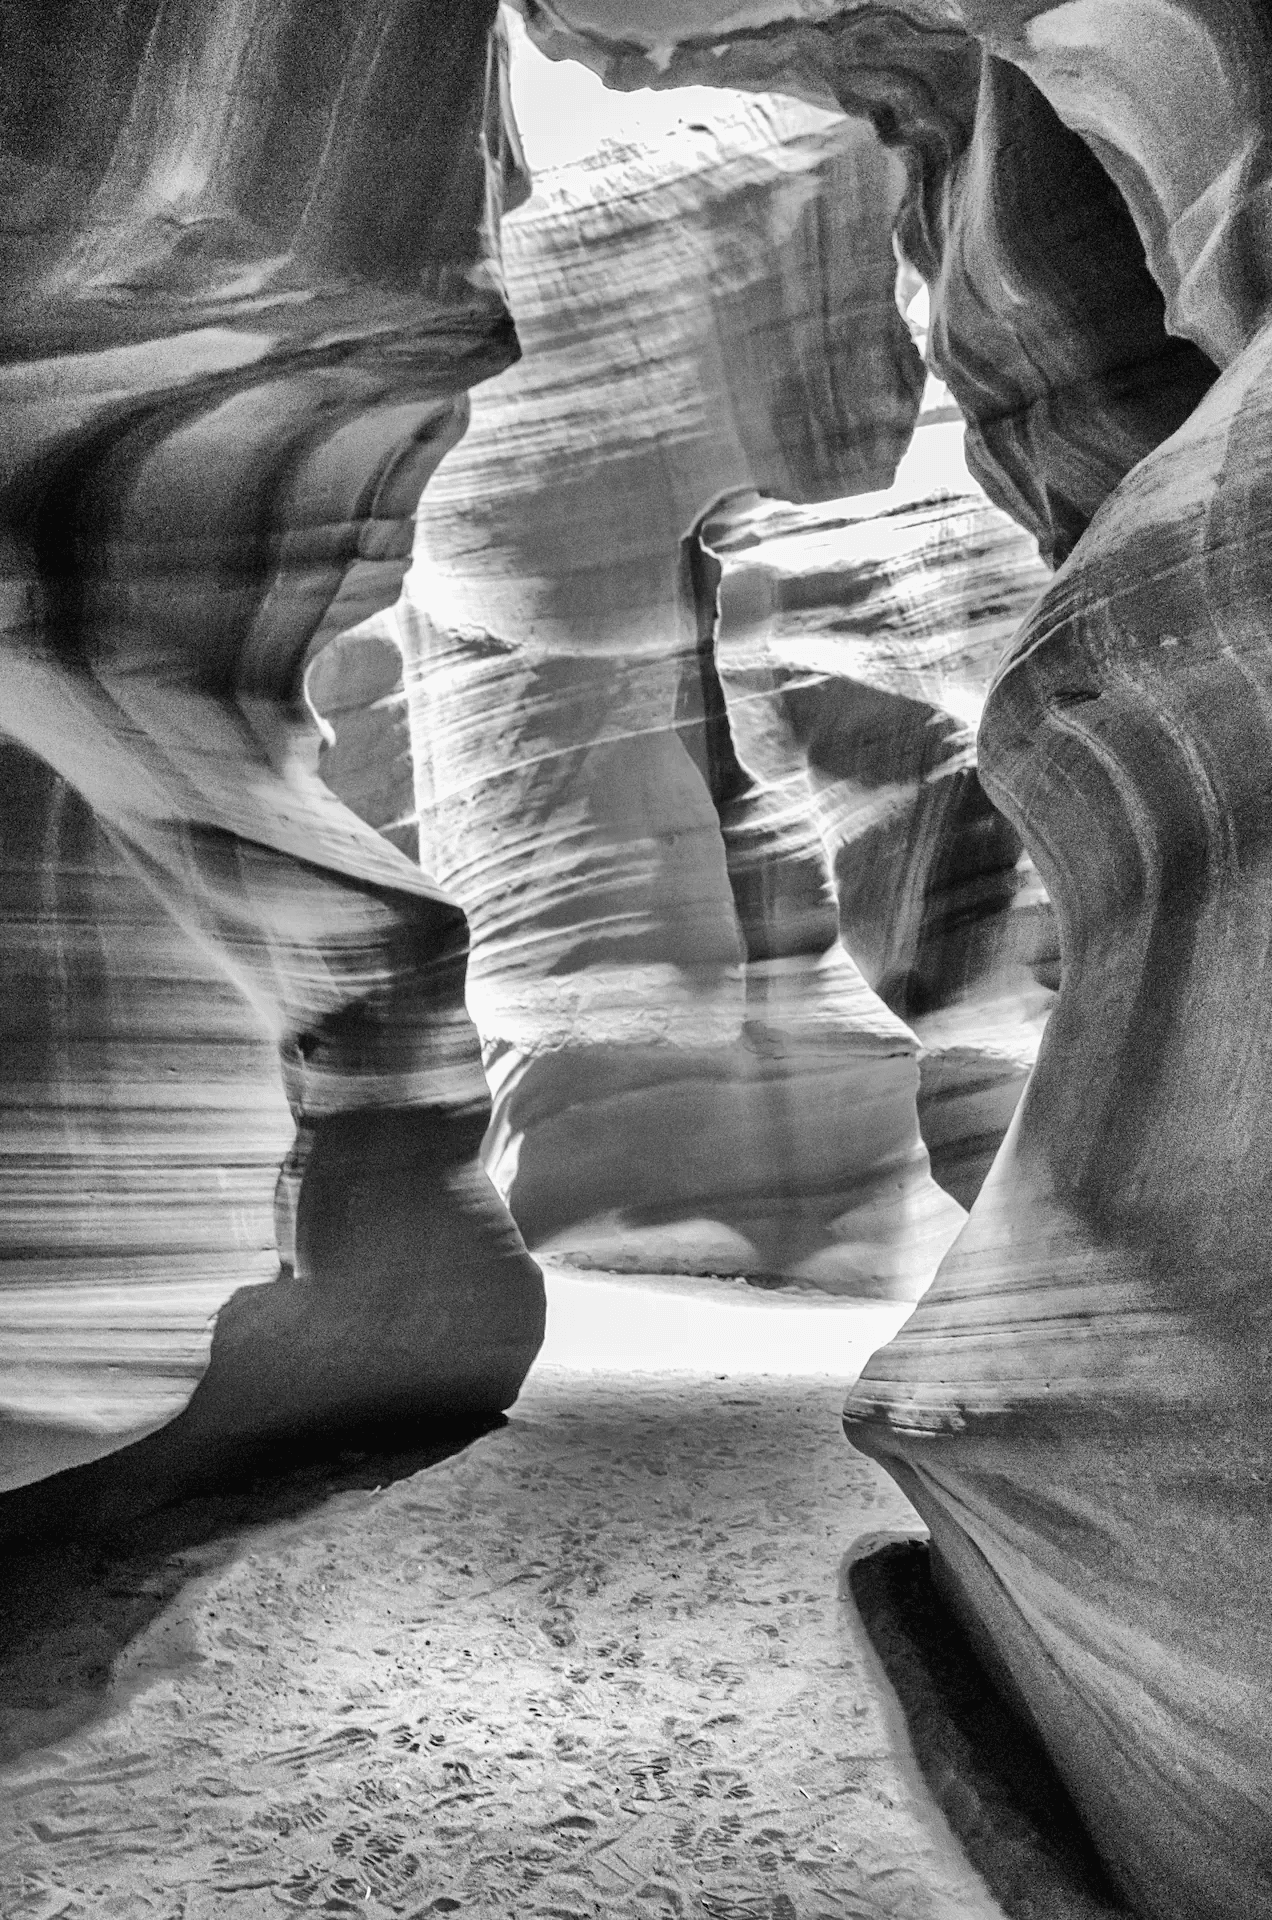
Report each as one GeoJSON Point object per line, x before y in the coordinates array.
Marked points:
{"type": "Point", "coordinates": [688, 1072]}
{"type": "Point", "coordinates": [1045, 319]}
{"type": "Point", "coordinates": [238, 346]}
{"type": "Point", "coordinates": [855, 646]}
{"type": "Point", "coordinates": [1047, 322]}
{"type": "Point", "coordinates": [246, 285]}
{"type": "Point", "coordinates": [1080, 1405]}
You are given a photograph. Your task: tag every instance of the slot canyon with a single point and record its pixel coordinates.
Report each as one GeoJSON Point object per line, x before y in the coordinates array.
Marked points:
{"type": "Point", "coordinates": [635, 902]}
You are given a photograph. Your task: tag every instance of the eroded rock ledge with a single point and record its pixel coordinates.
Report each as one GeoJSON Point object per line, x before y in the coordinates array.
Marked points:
{"type": "Point", "coordinates": [247, 283]}
{"type": "Point", "coordinates": [687, 1072]}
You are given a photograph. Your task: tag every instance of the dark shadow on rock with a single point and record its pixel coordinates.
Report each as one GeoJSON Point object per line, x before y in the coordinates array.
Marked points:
{"type": "Point", "coordinates": [69, 1609]}
{"type": "Point", "coordinates": [999, 1792]}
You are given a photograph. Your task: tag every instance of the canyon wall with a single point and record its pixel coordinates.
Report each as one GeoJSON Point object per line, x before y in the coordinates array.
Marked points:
{"type": "Point", "coordinates": [235, 357]}
{"type": "Point", "coordinates": [248, 280]}
{"type": "Point", "coordinates": [688, 1070]}
{"type": "Point", "coordinates": [856, 644]}
{"type": "Point", "coordinates": [1079, 1406]}
{"type": "Point", "coordinates": [250, 271]}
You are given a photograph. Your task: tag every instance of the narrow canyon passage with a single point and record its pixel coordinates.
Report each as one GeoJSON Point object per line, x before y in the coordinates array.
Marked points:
{"type": "Point", "coordinates": [605, 1659]}
{"type": "Point", "coordinates": [636, 634]}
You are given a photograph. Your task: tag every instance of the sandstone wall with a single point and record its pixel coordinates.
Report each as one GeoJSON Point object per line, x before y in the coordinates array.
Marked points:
{"type": "Point", "coordinates": [247, 282]}
{"type": "Point", "coordinates": [856, 644]}
{"type": "Point", "coordinates": [1080, 1406]}
{"type": "Point", "coordinates": [688, 1072]}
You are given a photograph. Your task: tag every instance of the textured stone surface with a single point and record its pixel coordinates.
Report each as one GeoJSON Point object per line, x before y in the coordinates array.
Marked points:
{"type": "Point", "coordinates": [1080, 1404]}
{"type": "Point", "coordinates": [855, 647]}
{"type": "Point", "coordinates": [1071, 378]}
{"type": "Point", "coordinates": [688, 1072]}
{"type": "Point", "coordinates": [239, 338]}
{"type": "Point", "coordinates": [246, 284]}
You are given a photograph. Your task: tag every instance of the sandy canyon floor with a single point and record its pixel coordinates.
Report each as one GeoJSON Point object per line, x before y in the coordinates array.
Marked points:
{"type": "Point", "coordinates": [636, 1652]}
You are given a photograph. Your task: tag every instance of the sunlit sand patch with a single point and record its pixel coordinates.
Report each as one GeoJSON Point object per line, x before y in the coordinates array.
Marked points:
{"type": "Point", "coordinates": [650, 1324]}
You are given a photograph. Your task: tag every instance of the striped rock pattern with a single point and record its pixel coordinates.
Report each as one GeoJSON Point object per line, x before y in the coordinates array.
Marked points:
{"type": "Point", "coordinates": [248, 279]}
{"type": "Point", "coordinates": [237, 339]}
{"type": "Point", "coordinates": [1047, 323]}
{"type": "Point", "coordinates": [855, 648]}
{"type": "Point", "coordinates": [688, 1072]}
{"type": "Point", "coordinates": [1080, 1405]}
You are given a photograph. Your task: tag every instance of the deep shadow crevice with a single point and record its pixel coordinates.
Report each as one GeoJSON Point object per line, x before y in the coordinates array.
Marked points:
{"type": "Point", "coordinates": [1002, 1798]}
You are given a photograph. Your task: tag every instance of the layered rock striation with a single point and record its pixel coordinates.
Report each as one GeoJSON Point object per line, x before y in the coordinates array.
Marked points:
{"type": "Point", "coordinates": [855, 647]}
{"type": "Point", "coordinates": [1048, 324]}
{"type": "Point", "coordinates": [688, 1072]}
{"type": "Point", "coordinates": [1079, 1406]}
{"type": "Point", "coordinates": [247, 282]}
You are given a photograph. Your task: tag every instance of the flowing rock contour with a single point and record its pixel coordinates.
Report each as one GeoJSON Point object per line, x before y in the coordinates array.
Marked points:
{"type": "Point", "coordinates": [855, 647]}
{"type": "Point", "coordinates": [246, 281]}
{"type": "Point", "coordinates": [688, 1071]}
{"type": "Point", "coordinates": [250, 270]}
{"type": "Point", "coordinates": [1080, 1405]}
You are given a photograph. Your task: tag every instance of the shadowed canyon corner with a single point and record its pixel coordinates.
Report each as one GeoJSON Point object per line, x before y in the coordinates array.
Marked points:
{"type": "Point", "coordinates": [635, 770]}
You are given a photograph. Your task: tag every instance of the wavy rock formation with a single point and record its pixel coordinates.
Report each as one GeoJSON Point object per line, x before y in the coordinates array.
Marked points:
{"type": "Point", "coordinates": [249, 272]}
{"type": "Point", "coordinates": [1080, 1405]}
{"type": "Point", "coordinates": [1047, 323]}
{"type": "Point", "coordinates": [855, 647]}
{"type": "Point", "coordinates": [247, 281]}
{"type": "Point", "coordinates": [688, 1072]}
